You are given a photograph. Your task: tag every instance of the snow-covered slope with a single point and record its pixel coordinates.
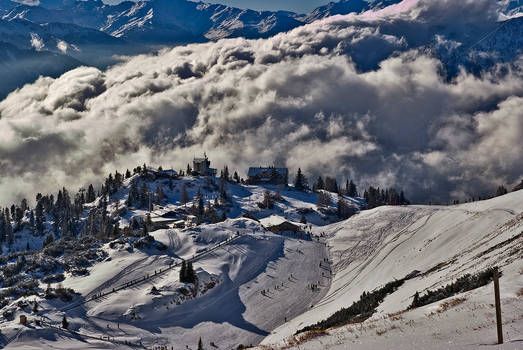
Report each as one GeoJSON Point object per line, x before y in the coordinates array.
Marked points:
{"type": "Point", "coordinates": [250, 280]}
{"type": "Point", "coordinates": [259, 286]}
{"type": "Point", "coordinates": [442, 243]}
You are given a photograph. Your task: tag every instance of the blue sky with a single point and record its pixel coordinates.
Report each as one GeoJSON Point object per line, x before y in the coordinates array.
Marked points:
{"type": "Point", "coordinates": [300, 6]}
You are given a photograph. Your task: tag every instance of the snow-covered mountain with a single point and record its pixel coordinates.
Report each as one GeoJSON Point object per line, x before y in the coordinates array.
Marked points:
{"type": "Point", "coordinates": [254, 284]}
{"type": "Point", "coordinates": [163, 21]}
{"type": "Point", "coordinates": [96, 33]}
{"type": "Point", "coordinates": [344, 7]}
{"type": "Point", "coordinates": [19, 66]}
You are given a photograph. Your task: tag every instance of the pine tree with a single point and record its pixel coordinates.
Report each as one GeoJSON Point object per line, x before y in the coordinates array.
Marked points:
{"type": "Point", "coordinates": [159, 195]}
{"type": "Point", "coordinates": [65, 324]}
{"type": "Point", "coordinates": [226, 173]}
{"type": "Point", "coordinates": [223, 190]}
{"type": "Point", "coordinates": [32, 221]}
{"type": "Point", "coordinates": [144, 196]}
{"type": "Point", "coordinates": [2, 228]}
{"type": "Point", "coordinates": [267, 200]}
{"type": "Point", "coordinates": [191, 275]}
{"type": "Point", "coordinates": [189, 170]}
{"type": "Point", "coordinates": [23, 205]}
{"type": "Point", "coordinates": [331, 185]}
{"type": "Point", "coordinates": [9, 233]}
{"type": "Point", "coordinates": [91, 196]}
{"type": "Point", "coordinates": [353, 191]}
{"type": "Point", "coordinates": [300, 182]}
{"type": "Point", "coordinates": [39, 218]}
{"type": "Point", "coordinates": [501, 190]}
{"type": "Point", "coordinates": [133, 199]}
{"type": "Point", "coordinates": [200, 344]}
{"type": "Point", "coordinates": [116, 229]}
{"type": "Point", "coordinates": [236, 177]}
{"type": "Point", "coordinates": [184, 196]}
{"type": "Point", "coordinates": [319, 185]}
{"type": "Point", "coordinates": [127, 174]}
{"type": "Point", "coordinates": [183, 271]}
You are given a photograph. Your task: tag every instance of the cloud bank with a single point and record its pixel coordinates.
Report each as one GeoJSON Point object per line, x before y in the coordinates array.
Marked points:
{"type": "Point", "coordinates": [340, 96]}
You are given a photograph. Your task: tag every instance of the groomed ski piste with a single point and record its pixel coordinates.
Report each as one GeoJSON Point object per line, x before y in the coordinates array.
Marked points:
{"type": "Point", "coordinates": [255, 285]}
{"type": "Point", "coordinates": [438, 244]}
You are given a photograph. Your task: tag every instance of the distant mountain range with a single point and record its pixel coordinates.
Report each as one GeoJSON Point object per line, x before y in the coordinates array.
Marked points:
{"type": "Point", "coordinates": [60, 34]}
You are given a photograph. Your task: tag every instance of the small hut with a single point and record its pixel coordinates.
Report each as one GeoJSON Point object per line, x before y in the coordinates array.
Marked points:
{"type": "Point", "coordinates": [23, 319]}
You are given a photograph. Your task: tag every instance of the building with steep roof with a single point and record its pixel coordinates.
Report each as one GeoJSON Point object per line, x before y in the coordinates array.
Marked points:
{"type": "Point", "coordinates": [269, 175]}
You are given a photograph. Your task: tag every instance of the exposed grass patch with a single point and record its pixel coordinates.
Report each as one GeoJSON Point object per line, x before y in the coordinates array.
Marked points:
{"type": "Point", "coordinates": [519, 293]}
{"type": "Point", "coordinates": [450, 304]}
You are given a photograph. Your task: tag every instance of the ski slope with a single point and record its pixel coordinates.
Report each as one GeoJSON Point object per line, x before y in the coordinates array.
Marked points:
{"type": "Point", "coordinates": [441, 242]}
{"type": "Point", "coordinates": [233, 312]}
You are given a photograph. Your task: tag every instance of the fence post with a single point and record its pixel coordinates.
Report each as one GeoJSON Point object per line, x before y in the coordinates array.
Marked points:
{"type": "Point", "coordinates": [498, 305]}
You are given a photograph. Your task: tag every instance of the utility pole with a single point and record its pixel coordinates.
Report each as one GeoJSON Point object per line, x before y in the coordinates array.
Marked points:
{"type": "Point", "coordinates": [498, 305]}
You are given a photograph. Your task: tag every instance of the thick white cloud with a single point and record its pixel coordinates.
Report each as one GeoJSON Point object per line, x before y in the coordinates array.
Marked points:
{"type": "Point", "coordinates": [330, 97]}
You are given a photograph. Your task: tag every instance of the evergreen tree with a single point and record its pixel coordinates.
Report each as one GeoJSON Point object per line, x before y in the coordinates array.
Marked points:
{"type": "Point", "coordinates": [127, 174]}
{"type": "Point", "coordinates": [267, 200]}
{"type": "Point", "coordinates": [200, 344]}
{"type": "Point", "coordinates": [159, 195]}
{"type": "Point", "coordinates": [223, 190]}
{"type": "Point", "coordinates": [300, 183]}
{"type": "Point", "coordinates": [39, 219]}
{"type": "Point", "coordinates": [91, 196]}
{"type": "Point", "coordinates": [2, 228]}
{"type": "Point", "coordinates": [144, 196]}
{"type": "Point", "coordinates": [190, 274]}
{"type": "Point", "coordinates": [501, 190]}
{"type": "Point", "coordinates": [319, 185]}
{"type": "Point", "coordinates": [324, 199]}
{"type": "Point", "coordinates": [184, 196]}
{"type": "Point", "coordinates": [236, 177]}
{"type": "Point", "coordinates": [183, 272]}
{"type": "Point", "coordinates": [331, 185]}
{"type": "Point", "coordinates": [116, 229]}
{"type": "Point", "coordinates": [352, 190]}
{"type": "Point", "coordinates": [23, 205]}
{"type": "Point", "coordinates": [65, 324]}
{"type": "Point", "coordinates": [189, 170]}
{"type": "Point", "coordinates": [201, 207]}
{"type": "Point", "coordinates": [9, 233]}
{"type": "Point", "coordinates": [133, 199]}
{"type": "Point", "coordinates": [226, 173]}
